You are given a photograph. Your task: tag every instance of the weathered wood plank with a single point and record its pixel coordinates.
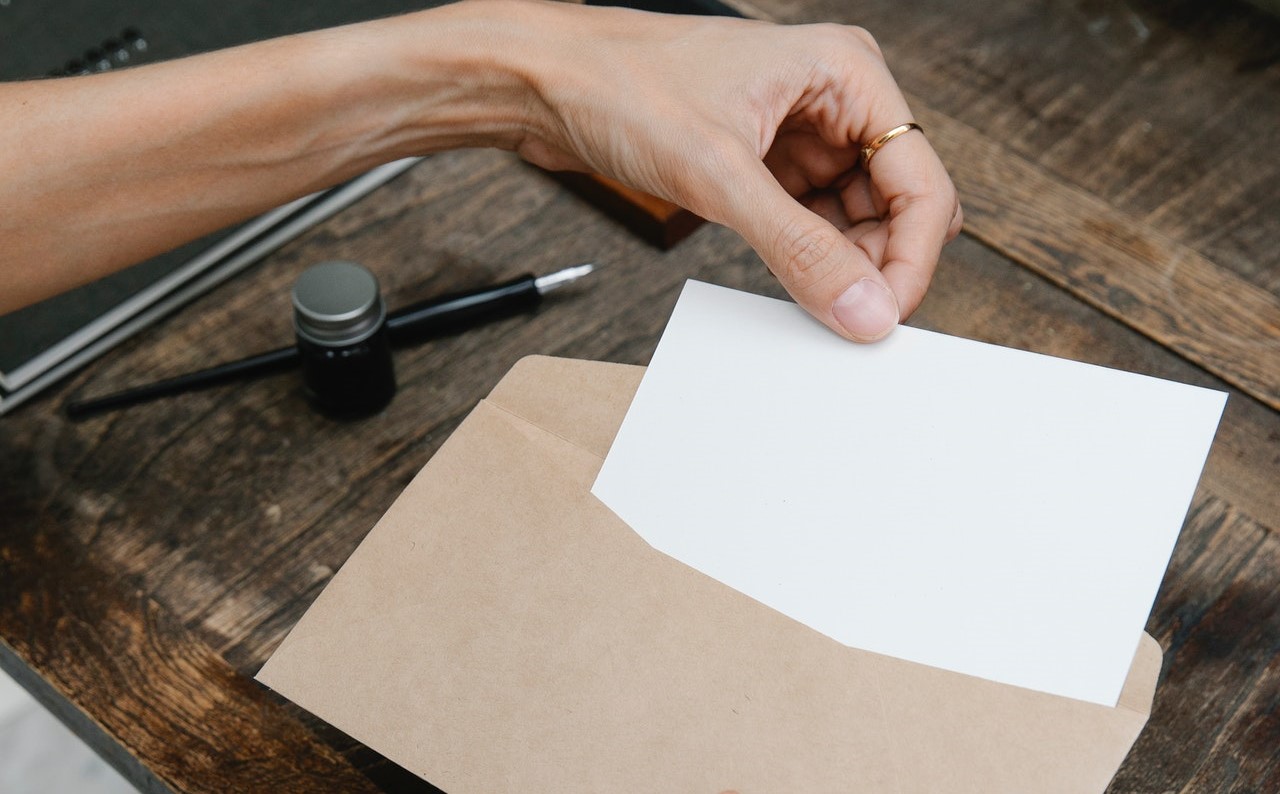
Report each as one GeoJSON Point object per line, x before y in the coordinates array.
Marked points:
{"type": "Point", "coordinates": [1169, 111]}
{"type": "Point", "coordinates": [180, 541]}
{"type": "Point", "coordinates": [1118, 264]}
{"type": "Point", "coordinates": [160, 706]}
{"type": "Point", "coordinates": [1216, 714]}
{"type": "Point", "coordinates": [1246, 751]}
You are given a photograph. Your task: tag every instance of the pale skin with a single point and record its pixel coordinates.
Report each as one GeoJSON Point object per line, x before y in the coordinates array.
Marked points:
{"type": "Point", "coordinates": [748, 124]}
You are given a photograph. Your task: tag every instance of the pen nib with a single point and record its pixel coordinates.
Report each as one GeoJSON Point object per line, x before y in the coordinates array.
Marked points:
{"type": "Point", "coordinates": [545, 284]}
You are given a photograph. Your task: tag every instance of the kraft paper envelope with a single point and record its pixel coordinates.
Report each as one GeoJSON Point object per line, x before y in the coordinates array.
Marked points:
{"type": "Point", "coordinates": [501, 630]}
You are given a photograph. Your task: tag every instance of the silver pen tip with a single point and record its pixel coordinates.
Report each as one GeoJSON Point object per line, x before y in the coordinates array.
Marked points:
{"type": "Point", "coordinates": [545, 284]}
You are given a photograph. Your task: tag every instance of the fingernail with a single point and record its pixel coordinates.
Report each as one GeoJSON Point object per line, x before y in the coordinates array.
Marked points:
{"type": "Point", "coordinates": [867, 310]}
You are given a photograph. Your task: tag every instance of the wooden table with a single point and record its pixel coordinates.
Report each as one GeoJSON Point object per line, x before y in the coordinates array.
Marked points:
{"type": "Point", "coordinates": [1117, 165]}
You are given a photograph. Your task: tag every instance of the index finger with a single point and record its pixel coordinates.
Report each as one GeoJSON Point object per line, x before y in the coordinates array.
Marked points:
{"type": "Point", "coordinates": [921, 203]}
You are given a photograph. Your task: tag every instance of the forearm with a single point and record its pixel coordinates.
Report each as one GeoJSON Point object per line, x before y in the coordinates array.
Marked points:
{"type": "Point", "coordinates": [751, 125]}
{"type": "Point", "coordinates": [107, 170]}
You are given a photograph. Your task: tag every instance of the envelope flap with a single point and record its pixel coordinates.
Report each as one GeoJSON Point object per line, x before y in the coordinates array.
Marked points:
{"type": "Point", "coordinates": [583, 402]}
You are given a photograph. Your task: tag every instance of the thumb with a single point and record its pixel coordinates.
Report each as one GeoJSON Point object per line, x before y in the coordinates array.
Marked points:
{"type": "Point", "coordinates": [827, 274]}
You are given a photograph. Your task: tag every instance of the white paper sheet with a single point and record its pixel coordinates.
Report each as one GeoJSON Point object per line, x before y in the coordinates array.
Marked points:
{"type": "Point", "coordinates": [985, 510]}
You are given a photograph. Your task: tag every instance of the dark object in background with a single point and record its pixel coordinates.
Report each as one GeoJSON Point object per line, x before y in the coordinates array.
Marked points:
{"type": "Point", "coordinates": [341, 325]}
{"type": "Point", "coordinates": [658, 222]}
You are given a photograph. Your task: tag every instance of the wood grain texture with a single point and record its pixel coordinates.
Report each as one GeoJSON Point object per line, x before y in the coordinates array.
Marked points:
{"type": "Point", "coordinates": [158, 705]}
{"type": "Point", "coordinates": [151, 560]}
{"type": "Point", "coordinates": [1229, 626]}
{"type": "Point", "coordinates": [1166, 110]}
{"type": "Point", "coordinates": [1119, 264]}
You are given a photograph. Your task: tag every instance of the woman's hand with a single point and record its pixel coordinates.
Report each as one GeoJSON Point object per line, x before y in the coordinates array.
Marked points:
{"type": "Point", "coordinates": [758, 127]}
{"type": "Point", "coordinates": [752, 125]}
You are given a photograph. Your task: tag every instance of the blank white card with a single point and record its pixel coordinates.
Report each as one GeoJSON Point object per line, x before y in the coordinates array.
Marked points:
{"type": "Point", "coordinates": [988, 511]}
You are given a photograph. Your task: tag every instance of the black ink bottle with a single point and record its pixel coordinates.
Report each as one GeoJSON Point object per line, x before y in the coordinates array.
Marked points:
{"type": "Point", "coordinates": [340, 322]}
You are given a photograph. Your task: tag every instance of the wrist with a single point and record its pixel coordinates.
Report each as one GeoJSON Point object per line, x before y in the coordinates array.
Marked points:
{"type": "Point", "coordinates": [462, 75]}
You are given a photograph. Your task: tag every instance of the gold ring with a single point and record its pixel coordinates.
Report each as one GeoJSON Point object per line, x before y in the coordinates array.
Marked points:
{"type": "Point", "coordinates": [870, 149]}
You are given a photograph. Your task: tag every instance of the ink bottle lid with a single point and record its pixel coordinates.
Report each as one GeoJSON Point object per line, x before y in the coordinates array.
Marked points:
{"type": "Point", "coordinates": [340, 323]}
{"type": "Point", "coordinates": [337, 303]}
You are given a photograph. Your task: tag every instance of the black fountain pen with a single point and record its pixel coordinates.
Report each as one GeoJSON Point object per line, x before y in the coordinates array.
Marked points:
{"type": "Point", "coordinates": [418, 322]}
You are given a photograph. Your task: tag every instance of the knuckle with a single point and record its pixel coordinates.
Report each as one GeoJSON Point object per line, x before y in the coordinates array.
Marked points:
{"type": "Point", "coordinates": [830, 33]}
{"type": "Point", "coordinates": [950, 204]}
{"type": "Point", "coordinates": [901, 204]}
{"type": "Point", "coordinates": [933, 194]}
{"type": "Point", "coordinates": [839, 40]}
{"type": "Point", "coordinates": [957, 223]}
{"type": "Point", "coordinates": [866, 39]}
{"type": "Point", "coordinates": [804, 254]}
